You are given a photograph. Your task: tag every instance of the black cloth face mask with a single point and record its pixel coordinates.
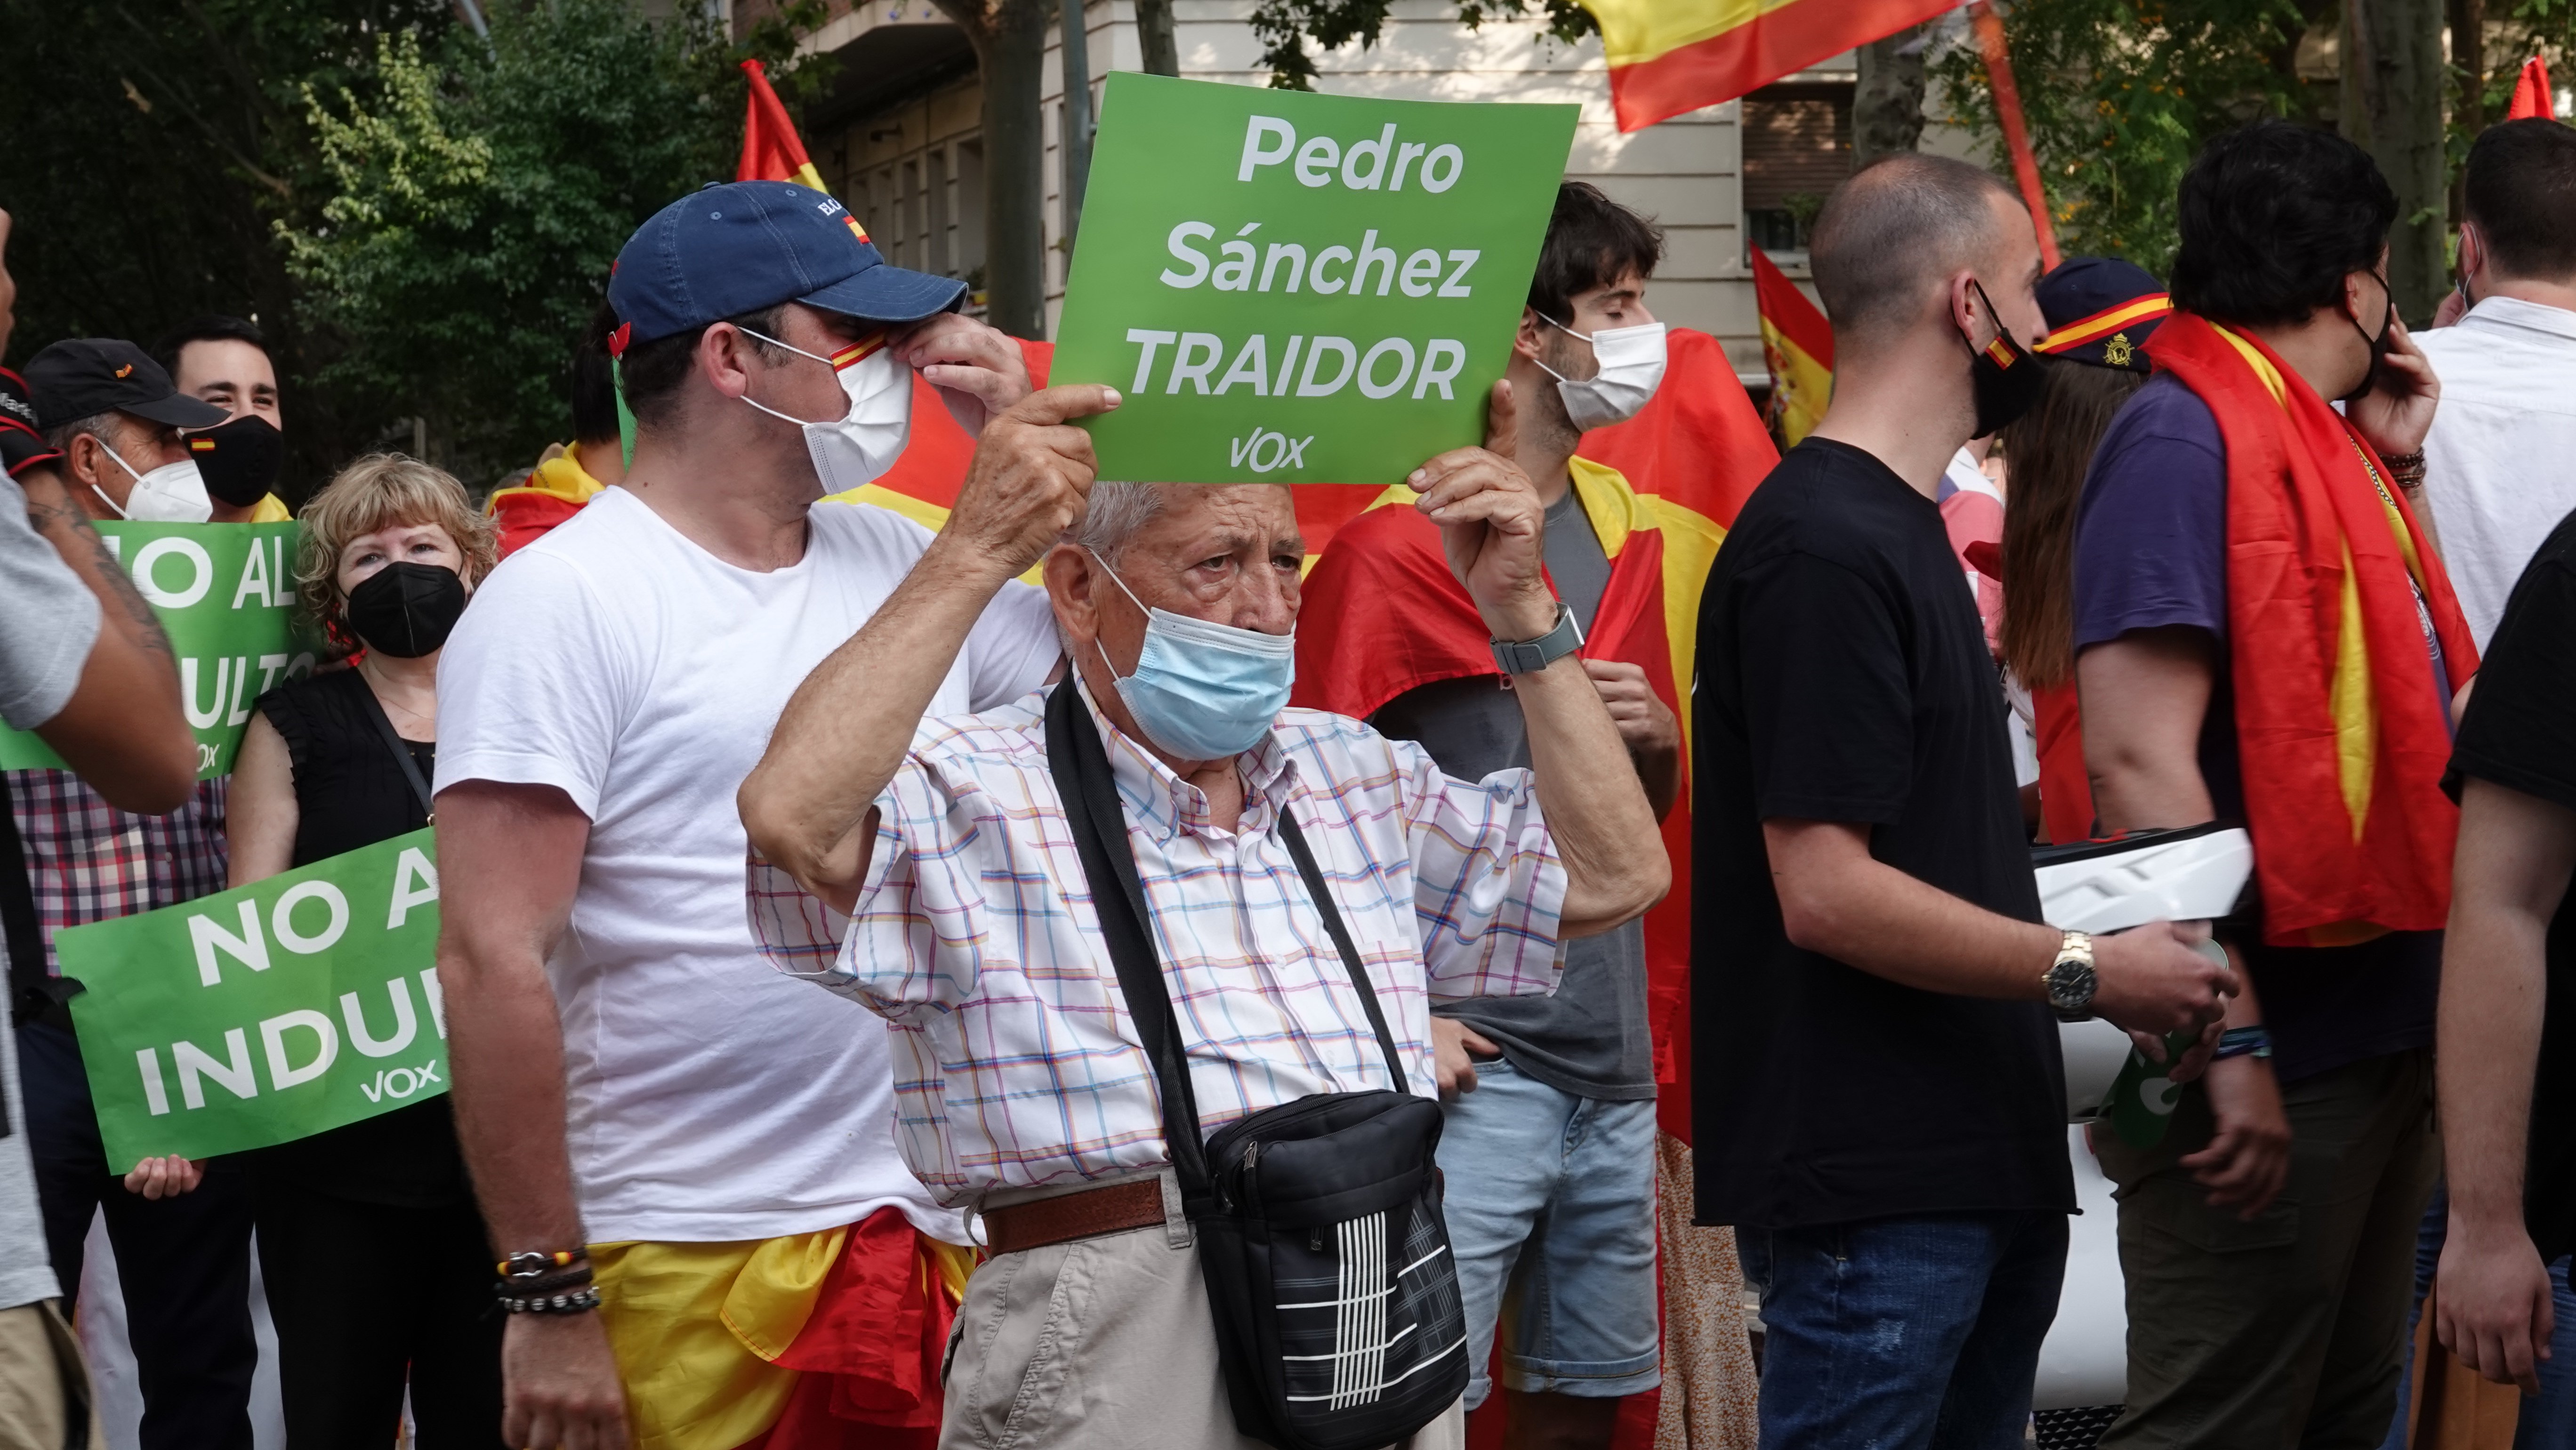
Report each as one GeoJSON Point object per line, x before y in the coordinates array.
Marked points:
{"type": "Point", "coordinates": [2379, 345]}
{"type": "Point", "coordinates": [405, 609]}
{"type": "Point", "coordinates": [239, 460]}
{"type": "Point", "coordinates": [2007, 377]}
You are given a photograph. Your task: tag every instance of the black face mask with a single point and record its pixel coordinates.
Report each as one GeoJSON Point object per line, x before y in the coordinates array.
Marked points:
{"type": "Point", "coordinates": [2379, 345]}
{"type": "Point", "coordinates": [406, 610]}
{"type": "Point", "coordinates": [2008, 378]}
{"type": "Point", "coordinates": [239, 460]}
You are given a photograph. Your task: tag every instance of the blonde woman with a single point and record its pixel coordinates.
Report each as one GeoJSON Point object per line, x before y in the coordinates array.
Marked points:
{"type": "Point", "coordinates": [374, 1257]}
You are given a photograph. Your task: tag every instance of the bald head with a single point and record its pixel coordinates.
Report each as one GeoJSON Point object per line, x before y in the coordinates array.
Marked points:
{"type": "Point", "coordinates": [1892, 235]}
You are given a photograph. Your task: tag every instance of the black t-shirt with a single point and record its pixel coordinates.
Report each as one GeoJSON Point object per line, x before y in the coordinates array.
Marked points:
{"type": "Point", "coordinates": [350, 792]}
{"type": "Point", "coordinates": [2520, 733]}
{"type": "Point", "coordinates": [1843, 676]}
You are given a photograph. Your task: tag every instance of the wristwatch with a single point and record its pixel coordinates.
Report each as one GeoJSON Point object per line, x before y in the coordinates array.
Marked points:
{"type": "Point", "coordinates": [1528, 656]}
{"type": "Point", "coordinates": [2070, 980]}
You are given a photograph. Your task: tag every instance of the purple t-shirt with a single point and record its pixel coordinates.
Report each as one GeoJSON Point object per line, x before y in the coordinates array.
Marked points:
{"type": "Point", "coordinates": [2151, 552]}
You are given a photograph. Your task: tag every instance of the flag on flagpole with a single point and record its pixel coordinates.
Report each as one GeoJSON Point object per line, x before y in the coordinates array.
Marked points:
{"type": "Point", "coordinates": [1798, 348]}
{"type": "Point", "coordinates": [771, 149]}
{"type": "Point", "coordinates": [1671, 56]}
{"type": "Point", "coordinates": [2531, 94]}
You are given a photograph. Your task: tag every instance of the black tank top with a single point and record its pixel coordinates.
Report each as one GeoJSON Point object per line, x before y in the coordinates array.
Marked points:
{"type": "Point", "coordinates": [351, 792]}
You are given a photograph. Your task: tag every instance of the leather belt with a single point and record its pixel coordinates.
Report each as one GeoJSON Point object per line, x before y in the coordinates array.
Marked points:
{"type": "Point", "coordinates": [1066, 1217]}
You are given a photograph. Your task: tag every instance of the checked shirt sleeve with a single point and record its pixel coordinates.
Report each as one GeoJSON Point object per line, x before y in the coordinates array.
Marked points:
{"type": "Point", "coordinates": [1488, 883]}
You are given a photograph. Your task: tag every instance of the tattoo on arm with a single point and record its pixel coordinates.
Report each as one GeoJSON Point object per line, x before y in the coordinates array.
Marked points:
{"type": "Point", "coordinates": [60, 520]}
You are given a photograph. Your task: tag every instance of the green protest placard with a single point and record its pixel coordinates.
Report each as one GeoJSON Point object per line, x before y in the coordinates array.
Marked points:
{"type": "Point", "coordinates": [1298, 288]}
{"type": "Point", "coordinates": [267, 1014]}
{"type": "Point", "coordinates": [225, 593]}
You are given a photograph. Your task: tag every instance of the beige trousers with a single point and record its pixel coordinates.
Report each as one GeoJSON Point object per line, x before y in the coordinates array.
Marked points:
{"type": "Point", "coordinates": [44, 1385]}
{"type": "Point", "coordinates": [1100, 1344]}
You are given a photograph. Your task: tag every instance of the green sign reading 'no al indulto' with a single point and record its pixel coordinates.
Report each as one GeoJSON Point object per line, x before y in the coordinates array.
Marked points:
{"type": "Point", "coordinates": [1296, 288]}
{"type": "Point", "coordinates": [225, 594]}
{"type": "Point", "coordinates": [265, 1014]}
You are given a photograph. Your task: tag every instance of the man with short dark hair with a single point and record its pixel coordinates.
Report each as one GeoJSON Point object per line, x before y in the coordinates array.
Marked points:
{"type": "Point", "coordinates": [225, 361]}
{"type": "Point", "coordinates": [1878, 1098]}
{"type": "Point", "coordinates": [2264, 635]}
{"type": "Point", "coordinates": [633, 1083]}
{"type": "Point", "coordinates": [566, 477]}
{"type": "Point", "coordinates": [1549, 1146]}
{"type": "Point", "coordinates": [2500, 461]}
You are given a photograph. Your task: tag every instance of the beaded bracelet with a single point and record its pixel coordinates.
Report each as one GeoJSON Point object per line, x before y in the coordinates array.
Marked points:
{"type": "Point", "coordinates": [578, 1302]}
{"type": "Point", "coordinates": [533, 1263]}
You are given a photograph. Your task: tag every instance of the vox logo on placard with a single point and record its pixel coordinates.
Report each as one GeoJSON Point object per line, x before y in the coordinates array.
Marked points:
{"type": "Point", "coordinates": [1301, 288]}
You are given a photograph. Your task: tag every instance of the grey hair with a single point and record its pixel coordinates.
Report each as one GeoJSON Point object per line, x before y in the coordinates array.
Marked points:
{"type": "Point", "coordinates": [1111, 520]}
{"type": "Point", "coordinates": [101, 426]}
{"type": "Point", "coordinates": [1116, 514]}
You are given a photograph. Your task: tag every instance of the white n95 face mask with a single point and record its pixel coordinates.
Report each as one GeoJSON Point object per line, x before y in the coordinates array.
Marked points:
{"type": "Point", "coordinates": [174, 493]}
{"type": "Point", "coordinates": [1632, 367]}
{"type": "Point", "coordinates": [863, 443]}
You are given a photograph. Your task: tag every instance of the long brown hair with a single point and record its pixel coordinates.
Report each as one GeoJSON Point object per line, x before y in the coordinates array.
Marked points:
{"type": "Point", "coordinates": [2049, 449]}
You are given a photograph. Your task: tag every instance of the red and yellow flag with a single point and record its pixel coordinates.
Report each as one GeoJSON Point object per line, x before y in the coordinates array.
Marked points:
{"type": "Point", "coordinates": [2531, 94]}
{"type": "Point", "coordinates": [1798, 348]}
{"type": "Point", "coordinates": [771, 149]}
{"type": "Point", "coordinates": [1671, 56]}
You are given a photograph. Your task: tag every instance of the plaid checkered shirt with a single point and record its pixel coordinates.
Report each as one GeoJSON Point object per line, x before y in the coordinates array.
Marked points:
{"type": "Point", "coordinates": [89, 861]}
{"type": "Point", "coordinates": [1015, 1063]}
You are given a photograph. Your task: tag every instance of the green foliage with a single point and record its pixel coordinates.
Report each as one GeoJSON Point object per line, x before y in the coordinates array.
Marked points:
{"type": "Point", "coordinates": [419, 217]}
{"type": "Point", "coordinates": [2120, 94]}
{"type": "Point", "coordinates": [477, 198]}
{"type": "Point", "coordinates": [1285, 26]}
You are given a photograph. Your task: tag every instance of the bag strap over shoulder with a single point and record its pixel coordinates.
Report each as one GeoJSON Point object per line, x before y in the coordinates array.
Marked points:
{"type": "Point", "coordinates": [1082, 776]}
{"type": "Point", "coordinates": [400, 747]}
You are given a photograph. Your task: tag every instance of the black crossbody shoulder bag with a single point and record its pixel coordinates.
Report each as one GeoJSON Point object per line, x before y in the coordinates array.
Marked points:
{"type": "Point", "coordinates": [1318, 1222]}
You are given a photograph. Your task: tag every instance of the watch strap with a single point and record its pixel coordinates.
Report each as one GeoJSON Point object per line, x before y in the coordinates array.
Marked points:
{"type": "Point", "coordinates": [1528, 656]}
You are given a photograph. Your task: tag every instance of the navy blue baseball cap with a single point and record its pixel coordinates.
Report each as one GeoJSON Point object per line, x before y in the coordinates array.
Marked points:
{"type": "Point", "coordinates": [2100, 310]}
{"type": "Point", "coordinates": [741, 246]}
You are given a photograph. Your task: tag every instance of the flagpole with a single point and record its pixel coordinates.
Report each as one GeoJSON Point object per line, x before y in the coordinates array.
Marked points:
{"type": "Point", "coordinates": [1999, 76]}
{"type": "Point", "coordinates": [1076, 69]}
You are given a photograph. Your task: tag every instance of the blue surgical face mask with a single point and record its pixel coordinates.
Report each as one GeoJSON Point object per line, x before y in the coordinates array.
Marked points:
{"type": "Point", "coordinates": [1203, 690]}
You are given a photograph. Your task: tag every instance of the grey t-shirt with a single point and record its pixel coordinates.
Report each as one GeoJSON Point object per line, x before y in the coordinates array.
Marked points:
{"type": "Point", "coordinates": [1589, 1039]}
{"type": "Point", "coordinates": [53, 621]}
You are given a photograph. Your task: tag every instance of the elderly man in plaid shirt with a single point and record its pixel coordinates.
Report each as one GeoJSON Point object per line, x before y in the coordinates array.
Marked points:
{"type": "Point", "coordinates": [939, 853]}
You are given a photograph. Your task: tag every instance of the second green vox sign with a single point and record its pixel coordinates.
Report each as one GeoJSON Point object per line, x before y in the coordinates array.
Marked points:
{"type": "Point", "coordinates": [1297, 288]}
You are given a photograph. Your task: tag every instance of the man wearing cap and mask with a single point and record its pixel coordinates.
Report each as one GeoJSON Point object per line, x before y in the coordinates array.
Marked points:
{"type": "Point", "coordinates": [224, 361]}
{"type": "Point", "coordinates": [1549, 1147]}
{"type": "Point", "coordinates": [182, 1242]}
{"type": "Point", "coordinates": [687, 1162]}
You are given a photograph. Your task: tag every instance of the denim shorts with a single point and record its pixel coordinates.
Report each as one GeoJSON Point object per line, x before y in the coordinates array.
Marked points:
{"type": "Point", "coordinates": [1551, 1208]}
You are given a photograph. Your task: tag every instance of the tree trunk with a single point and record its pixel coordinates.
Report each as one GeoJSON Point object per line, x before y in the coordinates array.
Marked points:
{"type": "Point", "coordinates": [2468, 23]}
{"type": "Point", "coordinates": [1010, 39]}
{"type": "Point", "coordinates": [1887, 108]}
{"type": "Point", "coordinates": [2393, 76]}
{"type": "Point", "coordinates": [1155, 34]}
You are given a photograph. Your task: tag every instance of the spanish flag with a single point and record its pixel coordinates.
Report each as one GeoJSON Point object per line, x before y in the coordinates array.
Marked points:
{"type": "Point", "coordinates": [1671, 56]}
{"type": "Point", "coordinates": [2531, 96]}
{"type": "Point", "coordinates": [1798, 348]}
{"type": "Point", "coordinates": [771, 149]}
{"type": "Point", "coordinates": [2342, 726]}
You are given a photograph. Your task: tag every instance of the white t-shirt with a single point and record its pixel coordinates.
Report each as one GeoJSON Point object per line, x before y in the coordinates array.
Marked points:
{"type": "Point", "coordinates": [2500, 463]}
{"type": "Point", "coordinates": [708, 1098]}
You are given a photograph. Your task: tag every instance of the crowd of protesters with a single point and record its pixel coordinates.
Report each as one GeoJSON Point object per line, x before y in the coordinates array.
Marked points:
{"type": "Point", "coordinates": [1127, 845]}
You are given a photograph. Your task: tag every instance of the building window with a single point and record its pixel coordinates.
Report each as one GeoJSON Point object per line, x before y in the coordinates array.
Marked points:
{"type": "Point", "coordinates": [1797, 145]}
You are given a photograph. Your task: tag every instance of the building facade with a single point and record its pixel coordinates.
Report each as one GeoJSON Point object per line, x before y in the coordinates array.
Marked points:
{"type": "Point", "coordinates": [898, 136]}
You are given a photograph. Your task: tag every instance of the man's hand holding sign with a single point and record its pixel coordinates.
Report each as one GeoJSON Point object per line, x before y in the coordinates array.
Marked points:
{"type": "Point", "coordinates": [1300, 288]}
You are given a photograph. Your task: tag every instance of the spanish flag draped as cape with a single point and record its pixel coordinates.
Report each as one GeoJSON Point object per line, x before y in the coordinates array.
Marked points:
{"type": "Point", "coordinates": [2342, 736]}
{"type": "Point", "coordinates": [1382, 614]}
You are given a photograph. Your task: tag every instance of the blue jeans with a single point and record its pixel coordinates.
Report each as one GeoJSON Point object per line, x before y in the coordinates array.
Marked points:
{"type": "Point", "coordinates": [2548, 1420]}
{"type": "Point", "coordinates": [1904, 1333]}
{"type": "Point", "coordinates": [1551, 1197]}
